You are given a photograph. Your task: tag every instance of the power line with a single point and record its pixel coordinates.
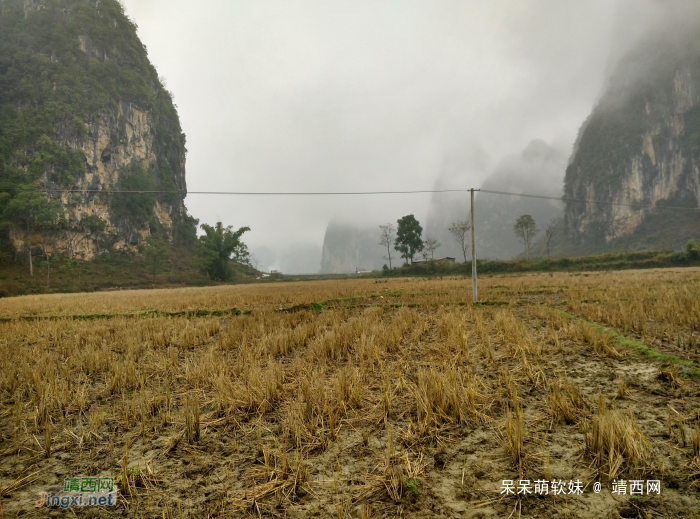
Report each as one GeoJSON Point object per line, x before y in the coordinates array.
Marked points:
{"type": "Point", "coordinates": [354, 193]}
{"type": "Point", "coordinates": [584, 200]}
{"type": "Point", "coordinates": [260, 193]}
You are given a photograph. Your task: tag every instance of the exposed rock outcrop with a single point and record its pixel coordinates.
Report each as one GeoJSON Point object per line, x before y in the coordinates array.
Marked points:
{"type": "Point", "coordinates": [639, 150]}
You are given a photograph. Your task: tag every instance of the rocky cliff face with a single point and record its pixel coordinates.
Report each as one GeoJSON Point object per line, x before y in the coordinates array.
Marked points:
{"type": "Point", "coordinates": [639, 150]}
{"type": "Point", "coordinates": [94, 118]}
{"type": "Point", "coordinates": [113, 142]}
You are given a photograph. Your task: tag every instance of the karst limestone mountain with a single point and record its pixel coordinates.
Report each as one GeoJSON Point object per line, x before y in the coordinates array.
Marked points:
{"type": "Point", "coordinates": [639, 150]}
{"type": "Point", "coordinates": [84, 114]}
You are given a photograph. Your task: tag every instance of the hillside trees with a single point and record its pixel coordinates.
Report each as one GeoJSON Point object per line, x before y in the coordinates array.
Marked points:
{"type": "Point", "coordinates": [64, 66]}
{"type": "Point", "coordinates": [33, 211]}
{"type": "Point", "coordinates": [156, 251]}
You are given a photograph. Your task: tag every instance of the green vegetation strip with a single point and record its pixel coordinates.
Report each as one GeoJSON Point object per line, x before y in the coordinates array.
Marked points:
{"type": "Point", "coordinates": [317, 306]}
{"type": "Point", "coordinates": [639, 346]}
{"type": "Point", "coordinates": [139, 315]}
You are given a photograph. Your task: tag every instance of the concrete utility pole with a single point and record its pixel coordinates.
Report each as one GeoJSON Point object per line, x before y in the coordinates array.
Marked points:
{"type": "Point", "coordinates": [475, 295]}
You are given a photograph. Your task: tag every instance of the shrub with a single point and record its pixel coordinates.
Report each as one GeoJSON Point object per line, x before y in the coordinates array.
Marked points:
{"type": "Point", "coordinates": [93, 223]}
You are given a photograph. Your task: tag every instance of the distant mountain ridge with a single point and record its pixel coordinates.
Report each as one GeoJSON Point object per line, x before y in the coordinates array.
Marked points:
{"type": "Point", "coordinates": [347, 248]}
{"type": "Point", "coordinates": [538, 169]}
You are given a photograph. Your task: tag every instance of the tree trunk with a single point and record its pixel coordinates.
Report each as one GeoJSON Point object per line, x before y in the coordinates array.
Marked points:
{"type": "Point", "coordinates": [29, 243]}
{"type": "Point", "coordinates": [48, 269]}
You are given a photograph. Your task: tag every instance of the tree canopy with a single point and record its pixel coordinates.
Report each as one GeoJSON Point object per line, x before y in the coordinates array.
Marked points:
{"type": "Point", "coordinates": [155, 250]}
{"type": "Point", "coordinates": [408, 237]}
{"type": "Point", "coordinates": [220, 244]}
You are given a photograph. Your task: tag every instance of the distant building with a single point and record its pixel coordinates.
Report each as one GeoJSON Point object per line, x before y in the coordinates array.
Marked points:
{"type": "Point", "coordinates": [274, 272]}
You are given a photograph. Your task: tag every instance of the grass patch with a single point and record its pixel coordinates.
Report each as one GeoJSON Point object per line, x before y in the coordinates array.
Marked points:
{"type": "Point", "coordinates": [318, 306]}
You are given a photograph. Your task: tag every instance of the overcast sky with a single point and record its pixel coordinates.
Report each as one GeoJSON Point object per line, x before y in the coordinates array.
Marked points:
{"type": "Point", "coordinates": [368, 95]}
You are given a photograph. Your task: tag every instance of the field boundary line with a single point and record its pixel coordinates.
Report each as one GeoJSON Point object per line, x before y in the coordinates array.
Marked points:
{"type": "Point", "coordinates": [138, 315]}
{"type": "Point", "coordinates": [642, 348]}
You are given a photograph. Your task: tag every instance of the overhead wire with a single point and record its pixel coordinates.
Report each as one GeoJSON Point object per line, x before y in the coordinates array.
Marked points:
{"type": "Point", "coordinates": [360, 193]}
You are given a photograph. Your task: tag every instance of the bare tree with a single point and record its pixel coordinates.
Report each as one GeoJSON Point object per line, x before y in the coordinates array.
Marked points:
{"type": "Point", "coordinates": [430, 245]}
{"type": "Point", "coordinates": [549, 231]}
{"type": "Point", "coordinates": [425, 253]}
{"type": "Point", "coordinates": [387, 239]}
{"type": "Point", "coordinates": [254, 262]}
{"type": "Point", "coordinates": [526, 228]}
{"type": "Point", "coordinates": [459, 231]}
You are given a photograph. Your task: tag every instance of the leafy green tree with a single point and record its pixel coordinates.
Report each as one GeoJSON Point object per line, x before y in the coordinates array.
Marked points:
{"type": "Point", "coordinates": [156, 251]}
{"type": "Point", "coordinates": [33, 211]}
{"type": "Point", "coordinates": [408, 237]}
{"type": "Point", "coordinates": [218, 246]}
{"type": "Point", "coordinates": [526, 229]}
{"type": "Point", "coordinates": [185, 230]}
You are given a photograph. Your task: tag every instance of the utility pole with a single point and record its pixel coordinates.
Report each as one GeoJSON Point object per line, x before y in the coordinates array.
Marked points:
{"type": "Point", "coordinates": [475, 295]}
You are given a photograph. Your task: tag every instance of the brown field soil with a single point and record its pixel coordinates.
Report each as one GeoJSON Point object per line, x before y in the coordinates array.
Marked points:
{"type": "Point", "coordinates": [358, 398]}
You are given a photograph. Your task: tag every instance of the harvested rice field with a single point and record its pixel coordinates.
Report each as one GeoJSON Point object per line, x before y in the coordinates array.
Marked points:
{"type": "Point", "coordinates": [560, 396]}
